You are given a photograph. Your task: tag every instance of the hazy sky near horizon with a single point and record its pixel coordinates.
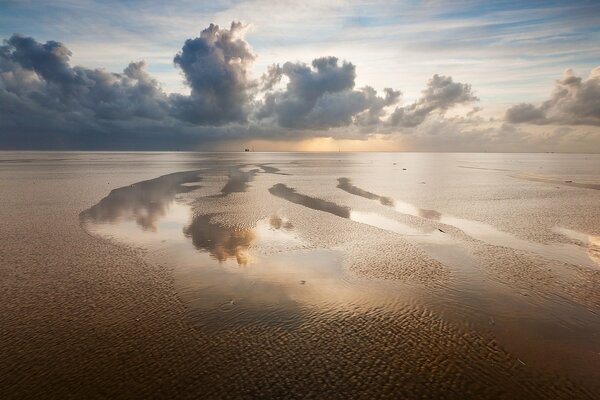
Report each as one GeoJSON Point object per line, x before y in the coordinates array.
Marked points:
{"type": "Point", "coordinates": [312, 75]}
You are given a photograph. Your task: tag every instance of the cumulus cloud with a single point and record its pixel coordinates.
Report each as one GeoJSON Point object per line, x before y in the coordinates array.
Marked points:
{"type": "Point", "coordinates": [574, 102]}
{"type": "Point", "coordinates": [525, 112]}
{"type": "Point", "coordinates": [40, 76]}
{"type": "Point", "coordinates": [320, 96]}
{"type": "Point", "coordinates": [374, 114]}
{"type": "Point", "coordinates": [46, 102]}
{"type": "Point", "coordinates": [463, 134]}
{"type": "Point", "coordinates": [440, 94]}
{"type": "Point", "coordinates": [215, 67]}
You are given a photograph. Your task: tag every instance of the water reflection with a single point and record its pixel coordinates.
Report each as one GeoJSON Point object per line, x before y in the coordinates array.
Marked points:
{"type": "Point", "coordinates": [592, 242]}
{"type": "Point", "coordinates": [346, 185]}
{"type": "Point", "coordinates": [238, 181]}
{"type": "Point", "coordinates": [563, 252]}
{"type": "Point", "coordinates": [290, 284]}
{"type": "Point", "coordinates": [220, 242]}
{"type": "Point", "coordinates": [277, 222]}
{"type": "Point", "coordinates": [145, 202]}
{"type": "Point", "coordinates": [437, 245]}
{"type": "Point", "coordinates": [290, 194]}
{"type": "Point", "coordinates": [272, 290]}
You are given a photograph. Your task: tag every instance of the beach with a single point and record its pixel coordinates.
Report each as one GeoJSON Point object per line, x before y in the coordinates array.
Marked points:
{"type": "Point", "coordinates": [319, 275]}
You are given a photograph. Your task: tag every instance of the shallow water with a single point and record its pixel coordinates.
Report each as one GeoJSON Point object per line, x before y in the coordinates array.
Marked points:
{"type": "Point", "coordinates": [297, 243]}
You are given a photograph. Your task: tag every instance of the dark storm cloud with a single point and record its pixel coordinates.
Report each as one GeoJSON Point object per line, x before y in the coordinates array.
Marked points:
{"type": "Point", "coordinates": [41, 76]}
{"type": "Point", "coordinates": [45, 102]}
{"type": "Point", "coordinates": [214, 66]}
{"type": "Point", "coordinates": [441, 94]}
{"type": "Point", "coordinates": [574, 102]}
{"type": "Point", "coordinates": [320, 96]}
{"type": "Point", "coordinates": [306, 87]}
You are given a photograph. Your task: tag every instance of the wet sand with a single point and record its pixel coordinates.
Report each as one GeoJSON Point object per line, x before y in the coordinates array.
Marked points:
{"type": "Point", "coordinates": [347, 280]}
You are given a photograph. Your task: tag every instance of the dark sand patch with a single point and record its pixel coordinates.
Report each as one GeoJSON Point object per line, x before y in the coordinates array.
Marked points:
{"type": "Point", "coordinates": [269, 169]}
{"type": "Point", "coordinates": [563, 182]}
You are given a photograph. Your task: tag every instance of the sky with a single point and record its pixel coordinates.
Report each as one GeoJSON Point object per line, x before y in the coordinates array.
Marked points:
{"type": "Point", "coordinates": [313, 75]}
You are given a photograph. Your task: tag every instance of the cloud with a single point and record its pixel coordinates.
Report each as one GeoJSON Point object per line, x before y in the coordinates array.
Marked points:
{"type": "Point", "coordinates": [215, 67]}
{"type": "Point", "coordinates": [574, 102]}
{"type": "Point", "coordinates": [38, 77]}
{"type": "Point", "coordinates": [373, 115]}
{"type": "Point", "coordinates": [320, 96]}
{"type": "Point", "coordinates": [467, 134]}
{"type": "Point", "coordinates": [525, 112]}
{"type": "Point", "coordinates": [54, 104]}
{"type": "Point", "coordinates": [441, 94]}
{"type": "Point", "coordinates": [45, 102]}
{"type": "Point", "coordinates": [48, 103]}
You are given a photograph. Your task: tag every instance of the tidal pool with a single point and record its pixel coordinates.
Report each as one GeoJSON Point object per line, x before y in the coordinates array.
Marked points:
{"type": "Point", "coordinates": [259, 244]}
